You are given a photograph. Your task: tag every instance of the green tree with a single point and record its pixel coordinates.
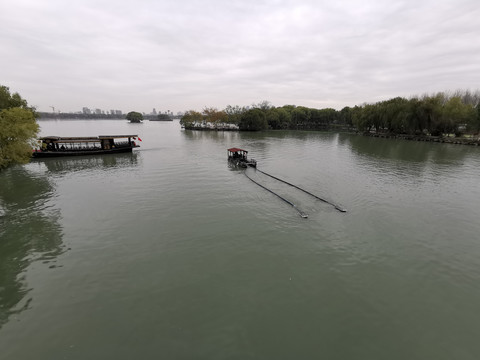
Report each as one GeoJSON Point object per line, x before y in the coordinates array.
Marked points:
{"type": "Point", "coordinates": [253, 120]}
{"type": "Point", "coordinates": [234, 113]}
{"type": "Point", "coordinates": [135, 116]}
{"type": "Point", "coordinates": [191, 117]}
{"type": "Point", "coordinates": [393, 115]}
{"type": "Point", "coordinates": [273, 118]}
{"type": "Point", "coordinates": [346, 116]}
{"type": "Point", "coordinates": [18, 128]}
{"type": "Point", "coordinates": [322, 118]}
{"type": "Point", "coordinates": [474, 123]}
{"type": "Point", "coordinates": [8, 101]}
{"type": "Point", "coordinates": [284, 117]}
{"type": "Point", "coordinates": [431, 112]}
{"type": "Point", "coordinates": [363, 117]}
{"type": "Point", "coordinates": [214, 116]}
{"type": "Point", "coordinates": [263, 105]}
{"type": "Point", "coordinates": [300, 116]}
{"type": "Point", "coordinates": [416, 122]}
{"type": "Point", "coordinates": [456, 114]}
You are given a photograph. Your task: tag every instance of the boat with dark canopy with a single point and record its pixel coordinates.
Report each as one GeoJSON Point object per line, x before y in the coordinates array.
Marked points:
{"type": "Point", "coordinates": [239, 158]}
{"type": "Point", "coordinates": [55, 146]}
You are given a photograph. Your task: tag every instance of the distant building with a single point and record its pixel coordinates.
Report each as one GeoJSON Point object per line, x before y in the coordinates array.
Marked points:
{"type": "Point", "coordinates": [154, 112]}
{"type": "Point", "coordinates": [86, 110]}
{"type": "Point", "coordinates": [118, 112]}
{"type": "Point", "coordinates": [98, 111]}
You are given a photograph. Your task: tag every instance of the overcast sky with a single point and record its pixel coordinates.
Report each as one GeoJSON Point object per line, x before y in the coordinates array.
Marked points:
{"type": "Point", "coordinates": [188, 54]}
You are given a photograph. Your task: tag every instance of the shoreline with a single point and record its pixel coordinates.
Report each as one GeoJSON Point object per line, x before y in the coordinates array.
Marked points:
{"type": "Point", "coordinates": [436, 139]}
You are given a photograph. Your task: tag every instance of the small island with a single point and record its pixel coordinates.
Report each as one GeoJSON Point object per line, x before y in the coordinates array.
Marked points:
{"type": "Point", "coordinates": [134, 117]}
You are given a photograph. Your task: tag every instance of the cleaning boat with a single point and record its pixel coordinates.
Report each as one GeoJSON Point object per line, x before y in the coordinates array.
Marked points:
{"type": "Point", "coordinates": [239, 158]}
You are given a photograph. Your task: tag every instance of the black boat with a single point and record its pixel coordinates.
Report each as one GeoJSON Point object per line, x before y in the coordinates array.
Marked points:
{"type": "Point", "coordinates": [55, 146]}
{"type": "Point", "coordinates": [238, 157]}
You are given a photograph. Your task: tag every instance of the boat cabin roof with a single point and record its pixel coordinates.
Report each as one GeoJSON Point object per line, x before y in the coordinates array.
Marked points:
{"type": "Point", "coordinates": [86, 138]}
{"type": "Point", "coordinates": [234, 150]}
{"type": "Point", "coordinates": [116, 136]}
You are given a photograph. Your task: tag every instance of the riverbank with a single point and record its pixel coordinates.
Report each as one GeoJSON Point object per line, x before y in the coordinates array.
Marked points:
{"type": "Point", "coordinates": [437, 139]}
{"type": "Point", "coordinates": [211, 127]}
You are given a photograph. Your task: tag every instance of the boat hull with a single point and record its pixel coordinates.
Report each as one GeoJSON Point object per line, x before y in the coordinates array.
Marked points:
{"type": "Point", "coordinates": [60, 153]}
{"type": "Point", "coordinates": [243, 163]}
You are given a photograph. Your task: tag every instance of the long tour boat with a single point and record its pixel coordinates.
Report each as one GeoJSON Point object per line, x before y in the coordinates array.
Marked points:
{"type": "Point", "coordinates": [55, 146]}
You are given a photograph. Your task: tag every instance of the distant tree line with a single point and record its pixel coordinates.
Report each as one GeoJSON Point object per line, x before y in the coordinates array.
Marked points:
{"type": "Point", "coordinates": [436, 115]}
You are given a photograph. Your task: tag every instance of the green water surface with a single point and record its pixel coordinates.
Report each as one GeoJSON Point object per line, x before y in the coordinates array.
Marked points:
{"type": "Point", "coordinates": [169, 253]}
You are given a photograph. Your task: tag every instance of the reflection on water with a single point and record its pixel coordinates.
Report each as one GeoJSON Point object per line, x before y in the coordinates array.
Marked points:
{"type": "Point", "coordinates": [410, 151]}
{"type": "Point", "coordinates": [211, 135]}
{"type": "Point", "coordinates": [29, 231]}
{"type": "Point", "coordinates": [81, 163]}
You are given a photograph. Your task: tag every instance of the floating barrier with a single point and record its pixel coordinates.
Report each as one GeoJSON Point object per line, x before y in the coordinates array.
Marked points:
{"type": "Point", "coordinates": [302, 214]}
{"type": "Point", "coordinates": [337, 207]}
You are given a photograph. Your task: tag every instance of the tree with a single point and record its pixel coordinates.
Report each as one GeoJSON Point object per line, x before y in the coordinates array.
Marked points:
{"type": "Point", "coordinates": [18, 128]}
{"type": "Point", "coordinates": [457, 114]}
{"type": "Point", "coordinates": [474, 124]}
{"type": "Point", "coordinates": [300, 116]}
{"type": "Point", "coordinates": [284, 118]}
{"type": "Point", "coordinates": [346, 115]}
{"type": "Point", "coordinates": [253, 120]}
{"type": "Point", "coordinates": [365, 117]}
{"type": "Point", "coordinates": [190, 118]}
{"type": "Point", "coordinates": [429, 111]}
{"type": "Point", "coordinates": [214, 116]}
{"type": "Point", "coordinates": [322, 118]}
{"type": "Point", "coordinates": [134, 116]}
{"type": "Point", "coordinates": [263, 105]}
{"type": "Point", "coordinates": [8, 101]}
{"type": "Point", "coordinates": [234, 113]}
{"type": "Point", "coordinates": [416, 122]}
{"type": "Point", "coordinates": [273, 118]}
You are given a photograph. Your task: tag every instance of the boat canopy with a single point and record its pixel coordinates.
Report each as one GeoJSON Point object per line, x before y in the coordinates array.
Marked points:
{"type": "Point", "coordinates": [85, 138]}
{"type": "Point", "coordinates": [234, 150]}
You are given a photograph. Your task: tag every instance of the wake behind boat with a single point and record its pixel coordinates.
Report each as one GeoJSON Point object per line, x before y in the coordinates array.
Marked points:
{"type": "Point", "coordinates": [55, 146]}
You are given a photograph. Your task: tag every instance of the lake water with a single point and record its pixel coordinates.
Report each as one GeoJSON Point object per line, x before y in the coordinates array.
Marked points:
{"type": "Point", "coordinates": [168, 253]}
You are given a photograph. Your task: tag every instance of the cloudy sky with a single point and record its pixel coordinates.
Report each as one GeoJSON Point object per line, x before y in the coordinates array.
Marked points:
{"type": "Point", "coordinates": [188, 54]}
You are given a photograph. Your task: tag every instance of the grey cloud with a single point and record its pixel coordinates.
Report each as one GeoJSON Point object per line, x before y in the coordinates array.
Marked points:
{"type": "Point", "coordinates": [192, 54]}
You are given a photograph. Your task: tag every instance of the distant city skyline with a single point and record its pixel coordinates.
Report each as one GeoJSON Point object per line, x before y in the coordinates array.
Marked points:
{"type": "Point", "coordinates": [87, 110]}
